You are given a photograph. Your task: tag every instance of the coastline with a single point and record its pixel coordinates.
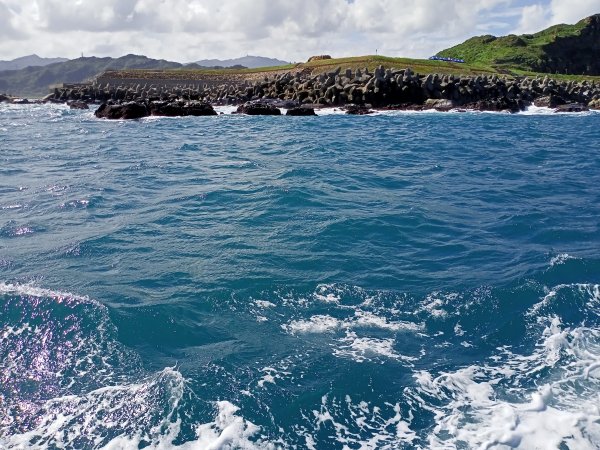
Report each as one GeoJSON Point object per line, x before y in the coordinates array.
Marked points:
{"type": "Point", "coordinates": [359, 92]}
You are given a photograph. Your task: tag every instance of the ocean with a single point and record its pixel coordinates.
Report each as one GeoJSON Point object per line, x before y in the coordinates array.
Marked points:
{"type": "Point", "coordinates": [395, 281]}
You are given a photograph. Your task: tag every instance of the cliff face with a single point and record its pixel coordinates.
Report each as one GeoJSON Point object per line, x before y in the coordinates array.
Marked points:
{"type": "Point", "coordinates": [565, 49]}
{"type": "Point", "coordinates": [578, 54]}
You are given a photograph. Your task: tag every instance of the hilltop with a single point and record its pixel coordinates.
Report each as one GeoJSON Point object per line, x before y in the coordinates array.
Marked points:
{"type": "Point", "coordinates": [562, 49]}
{"type": "Point", "coordinates": [250, 62]}
{"type": "Point", "coordinates": [28, 61]}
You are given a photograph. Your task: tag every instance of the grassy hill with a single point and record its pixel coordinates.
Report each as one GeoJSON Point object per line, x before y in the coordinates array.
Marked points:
{"type": "Point", "coordinates": [564, 49]}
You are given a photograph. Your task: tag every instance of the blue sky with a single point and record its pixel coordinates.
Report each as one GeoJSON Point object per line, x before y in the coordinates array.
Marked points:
{"type": "Point", "coordinates": [293, 30]}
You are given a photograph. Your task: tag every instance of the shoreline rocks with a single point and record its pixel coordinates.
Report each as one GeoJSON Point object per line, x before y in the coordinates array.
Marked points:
{"type": "Point", "coordinates": [258, 109]}
{"type": "Point", "coordinates": [138, 110]}
{"type": "Point", "coordinates": [354, 89]}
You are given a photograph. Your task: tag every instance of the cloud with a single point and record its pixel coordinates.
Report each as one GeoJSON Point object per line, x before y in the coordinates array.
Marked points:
{"type": "Point", "coordinates": [188, 30]}
{"type": "Point", "coordinates": [533, 18]}
{"type": "Point", "coordinates": [7, 29]}
{"type": "Point", "coordinates": [572, 11]}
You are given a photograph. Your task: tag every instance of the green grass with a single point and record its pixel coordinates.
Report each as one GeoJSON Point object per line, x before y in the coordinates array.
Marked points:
{"type": "Point", "coordinates": [422, 66]}
{"type": "Point", "coordinates": [357, 62]}
{"type": "Point", "coordinates": [523, 52]}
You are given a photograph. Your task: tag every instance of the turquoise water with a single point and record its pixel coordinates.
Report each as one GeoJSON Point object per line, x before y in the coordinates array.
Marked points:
{"type": "Point", "coordinates": [395, 281]}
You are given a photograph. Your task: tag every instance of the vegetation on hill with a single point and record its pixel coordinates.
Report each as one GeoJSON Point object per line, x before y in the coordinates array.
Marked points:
{"type": "Point", "coordinates": [563, 49]}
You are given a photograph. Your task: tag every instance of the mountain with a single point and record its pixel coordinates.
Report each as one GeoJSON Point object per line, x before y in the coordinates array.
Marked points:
{"type": "Point", "coordinates": [27, 61]}
{"type": "Point", "coordinates": [571, 49]}
{"type": "Point", "coordinates": [252, 62]}
{"type": "Point", "coordinates": [34, 81]}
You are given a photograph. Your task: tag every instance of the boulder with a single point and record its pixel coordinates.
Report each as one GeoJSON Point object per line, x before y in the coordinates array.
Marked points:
{"type": "Point", "coordinates": [301, 111]}
{"type": "Point", "coordinates": [358, 110]}
{"type": "Point", "coordinates": [440, 104]}
{"type": "Point", "coordinates": [20, 101]}
{"type": "Point", "coordinates": [4, 99]}
{"type": "Point", "coordinates": [258, 109]}
{"type": "Point", "coordinates": [571, 108]}
{"type": "Point", "coordinates": [181, 108]}
{"type": "Point", "coordinates": [47, 98]}
{"type": "Point", "coordinates": [78, 105]}
{"type": "Point", "coordinates": [594, 104]}
{"type": "Point", "coordinates": [130, 110]}
{"type": "Point", "coordinates": [549, 101]}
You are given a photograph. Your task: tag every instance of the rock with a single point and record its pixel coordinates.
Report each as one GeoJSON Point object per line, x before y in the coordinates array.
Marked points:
{"type": "Point", "coordinates": [571, 108]}
{"type": "Point", "coordinates": [301, 111]}
{"type": "Point", "coordinates": [47, 98]}
{"type": "Point", "coordinates": [130, 110]}
{"type": "Point", "coordinates": [20, 101]}
{"type": "Point", "coordinates": [594, 104]}
{"type": "Point", "coordinates": [440, 104]}
{"type": "Point", "coordinates": [549, 101]}
{"type": "Point", "coordinates": [78, 105]}
{"type": "Point", "coordinates": [358, 110]}
{"type": "Point", "coordinates": [181, 108]}
{"type": "Point", "coordinates": [5, 99]}
{"type": "Point", "coordinates": [258, 109]}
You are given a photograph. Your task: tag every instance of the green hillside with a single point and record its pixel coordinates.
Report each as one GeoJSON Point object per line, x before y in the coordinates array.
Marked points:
{"type": "Point", "coordinates": [564, 49]}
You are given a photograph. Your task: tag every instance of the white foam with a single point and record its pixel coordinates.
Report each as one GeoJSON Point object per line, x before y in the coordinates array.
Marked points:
{"type": "Point", "coordinates": [361, 349]}
{"type": "Point", "coordinates": [362, 319]}
{"type": "Point", "coordinates": [316, 324]}
{"type": "Point", "coordinates": [386, 426]}
{"type": "Point", "coordinates": [264, 304]}
{"type": "Point", "coordinates": [72, 421]}
{"type": "Point", "coordinates": [560, 259]}
{"type": "Point", "coordinates": [484, 407]}
{"type": "Point", "coordinates": [30, 290]}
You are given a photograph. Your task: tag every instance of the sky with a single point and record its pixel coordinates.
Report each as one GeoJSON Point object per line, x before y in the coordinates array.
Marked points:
{"type": "Point", "coordinates": [291, 30]}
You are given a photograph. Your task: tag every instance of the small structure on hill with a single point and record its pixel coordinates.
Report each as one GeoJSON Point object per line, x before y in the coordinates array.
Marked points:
{"type": "Point", "coordinates": [319, 58]}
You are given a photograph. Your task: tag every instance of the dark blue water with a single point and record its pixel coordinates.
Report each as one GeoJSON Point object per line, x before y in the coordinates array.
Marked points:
{"type": "Point", "coordinates": [396, 281]}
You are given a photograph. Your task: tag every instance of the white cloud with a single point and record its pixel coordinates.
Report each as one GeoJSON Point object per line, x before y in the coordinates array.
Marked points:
{"type": "Point", "coordinates": [533, 18]}
{"type": "Point", "coordinates": [572, 11]}
{"type": "Point", "coordinates": [188, 30]}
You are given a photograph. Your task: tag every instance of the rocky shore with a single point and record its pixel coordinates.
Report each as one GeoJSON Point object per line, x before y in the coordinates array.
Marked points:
{"type": "Point", "coordinates": [358, 91]}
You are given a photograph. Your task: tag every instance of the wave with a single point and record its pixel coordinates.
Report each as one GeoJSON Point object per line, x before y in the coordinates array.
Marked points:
{"type": "Point", "coordinates": [66, 382]}
{"type": "Point", "coordinates": [533, 382]}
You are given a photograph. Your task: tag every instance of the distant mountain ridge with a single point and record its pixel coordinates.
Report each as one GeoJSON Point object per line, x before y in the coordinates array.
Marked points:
{"type": "Point", "coordinates": [565, 49]}
{"type": "Point", "coordinates": [251, 62]}
{"type": "Point", "coordinates": [29, 61]}
{"type": "Point", "coordinates": [34, 81]}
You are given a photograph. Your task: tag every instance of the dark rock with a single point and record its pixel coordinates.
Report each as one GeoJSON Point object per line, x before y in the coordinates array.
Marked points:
{"type": "Point", "coordinates": [78, 105]}
{"type": "Point", "coordinates": [549, 101]}
{"type": "Point", "coordinates": [358, 110]}
{"type": "Point", "coordinates": [4, 99]}
{"type": "Point", "coordinates": [258, 109]}
{"type": "Point", "coordinates": [496, 105]}
{"type": "Point", "coordinates": [440, 105]}
{"type": "Point", "coordinates": [301, 111]}
{"type": "Point", "coordinates": [47, 98]}
{"type": "Point", "coordinates": [181, 108]}
{"type": "Point", "coordinates": [131, 110]}
{"type": "Point", "coordinates": [571, 108]}
{"type": "Point", "coordinates": [20, 101]}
